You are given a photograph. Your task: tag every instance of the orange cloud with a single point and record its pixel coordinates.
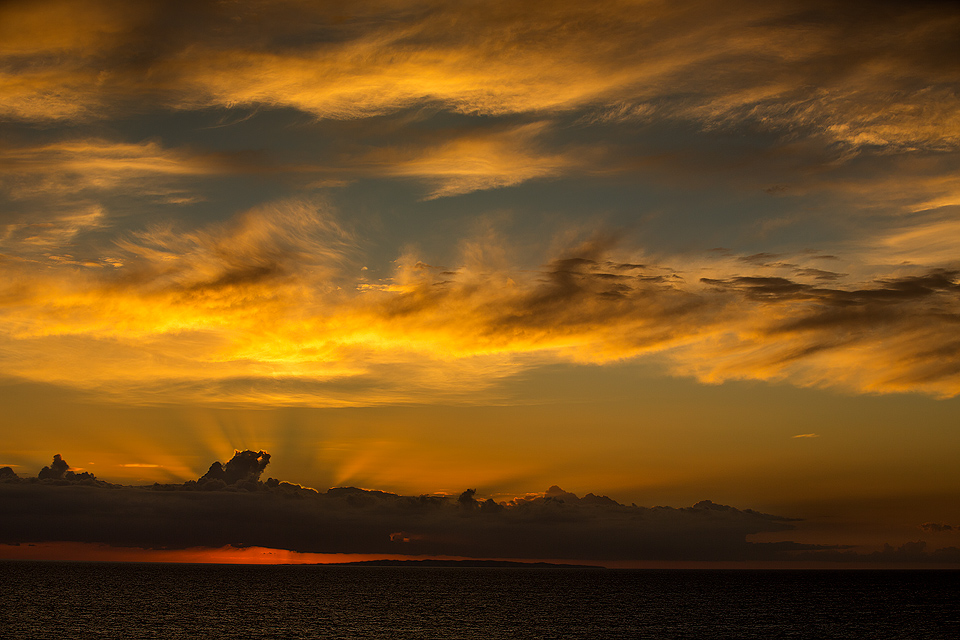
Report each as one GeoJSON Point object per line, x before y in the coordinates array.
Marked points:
{"type": "Point", "coordinates": [830, 79]}
{"type": "Point", "coordinates": [97, 165]}
{"type": "Point", "coordinates": [863, 81]}
{"type": "Point", "coordinates": [481, 161]}
{"type": "Point", "coordinates": [52, 54]}
{"type": "Point", "coordinates": [265, 309]}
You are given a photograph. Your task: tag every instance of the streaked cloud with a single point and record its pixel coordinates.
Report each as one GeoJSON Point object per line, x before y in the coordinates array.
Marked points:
{"type": "Point", "coordinates": [273, 307]}
{"type": "Point", "coordinates": [482, 161]}
{"type": "Point", "coordinates": [932, 239]}
{"type": "Point", "coordinates": [807, 435]}
{"type": "Point", "coordinates": [85, 166]}
{"type": "Point", "coordinates": [826, 82]}
{"type": "Point", "coordinates": [877, 80]}
{"type": "Point", "coordinates": [53, 232]}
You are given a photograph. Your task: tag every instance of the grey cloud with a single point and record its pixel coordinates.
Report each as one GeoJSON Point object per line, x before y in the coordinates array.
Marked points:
{"type": "Point", "coordinates": [760, 259]}
{"type": "Point", "coordinates": [244, 468]}
{"type": "Point", "coordinates": [212, 512]}
{"type": "Point", "coordinates": [826, 84]}
{"type": "Point", "coordinates": [888, 291]}
{"type": "Point", "coordinates": [56, 469]}
{"type": "Point", "coordinates": [364, 522]}
{"type": "Point", "coordinates": [554, 525]}
{"type": "Point", "coordinates": [820, 274]}
{"type": "Point", "coordinates": [812, 67]}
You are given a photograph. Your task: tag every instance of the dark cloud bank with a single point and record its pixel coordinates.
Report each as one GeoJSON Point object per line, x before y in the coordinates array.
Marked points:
{"type": "Point", "coordinates": [230, 505]}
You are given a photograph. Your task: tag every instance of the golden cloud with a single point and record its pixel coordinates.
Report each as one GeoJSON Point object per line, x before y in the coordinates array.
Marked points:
{"type": "Point", "coordinates": [85, 165]}
{"type": "Point", "coordinates": [52, 52]}
{"type": "Point", "coordinates": [862, 79]}
{"type": "Point", "coordinates": [265, 309]}
{"type": "Point", "coordinates": [51, 233]}
{"type": "Point", "coordinates": [483, 160]}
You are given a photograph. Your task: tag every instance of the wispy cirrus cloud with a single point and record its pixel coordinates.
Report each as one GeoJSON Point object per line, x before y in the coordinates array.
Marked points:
{"type": "Point", "coordinates": [483, 160]}
{"type": "Point", "coordinates": [54, 232]}
{"type": "Point", "coordinates": [89, 166]}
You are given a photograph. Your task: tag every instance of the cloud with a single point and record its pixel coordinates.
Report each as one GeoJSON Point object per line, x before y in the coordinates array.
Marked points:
{"type": "Point", "coordinates": [51, 234]}
{"type": "Point", "coordinates": [244, 468]}
{"type": "Point", "coordinates": [235, 508]}
{"type": "Point", "coordinates": [938, 527]}
{"type": "Point", "coordinates": [84, 168]}
{"type": "Point", "coordinates": [216, 510]}
{"type": "Point", "coordinates": [829, 87]}
{"type": "Point", "coordinates": [50, 54]}
{"type": "Point", "coordinates": [483, 160]}
{"type": "Point", "coordinates": [272, 307]}
{"type": "Point", "coordinates": [826, 70]}
{"type": "Point", "coordinates": [59, 192]}
{"type": "Point", "coordinates": [880, 80]}
{"type": "Point", "coordinates": [807, 435]}
{"type": "Point", "coordinates": [924, 240]}
{"type": "Point", "coordinates": [59, 472]}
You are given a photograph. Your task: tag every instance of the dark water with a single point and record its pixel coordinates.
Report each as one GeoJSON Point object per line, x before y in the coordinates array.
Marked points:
{"type": "Point", "coordinates": [78, 600]}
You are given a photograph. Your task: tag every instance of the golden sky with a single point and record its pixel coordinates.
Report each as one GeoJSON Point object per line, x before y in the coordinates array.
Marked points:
{"type": "Point", "coordinates": [662, 251]}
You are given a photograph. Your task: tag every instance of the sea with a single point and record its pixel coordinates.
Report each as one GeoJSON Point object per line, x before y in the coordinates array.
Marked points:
{"type": "Point", "coordinates": [139, 601]}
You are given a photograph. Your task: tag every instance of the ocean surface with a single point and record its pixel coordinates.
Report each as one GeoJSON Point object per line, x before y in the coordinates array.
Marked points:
{"type": "Point", "coordinates": [140, 601]}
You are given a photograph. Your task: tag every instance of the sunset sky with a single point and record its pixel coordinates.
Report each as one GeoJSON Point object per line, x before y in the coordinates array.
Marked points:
{"type": "Point", "coordinates": [664, 252]}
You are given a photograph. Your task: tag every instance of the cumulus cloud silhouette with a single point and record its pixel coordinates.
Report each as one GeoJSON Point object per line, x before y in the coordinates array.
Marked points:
{"type": "Point", "coordinates": [245, 467]}
{"type": "Point", "coordinates": [59, 470]}
{"type": "Point", "coordinates": [55, 471]}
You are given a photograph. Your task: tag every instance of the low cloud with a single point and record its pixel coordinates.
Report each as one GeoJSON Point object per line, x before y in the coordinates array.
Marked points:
{"type": "Point", "coordinates": [243, 469]}
{"type": "Point", "coordinates": [216, 509]}
{"type": "Point", "coordinates": [229, 505]}
{"type": "Point", "coordinates": [60, 473]}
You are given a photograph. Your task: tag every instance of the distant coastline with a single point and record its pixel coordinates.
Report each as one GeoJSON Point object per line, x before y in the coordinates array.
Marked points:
{"type": "Point", "coordinates": [462, 564]}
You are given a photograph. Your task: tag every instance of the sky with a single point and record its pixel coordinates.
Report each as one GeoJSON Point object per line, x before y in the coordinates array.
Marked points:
{"type": "Point", "coordinates": [700, 258]}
